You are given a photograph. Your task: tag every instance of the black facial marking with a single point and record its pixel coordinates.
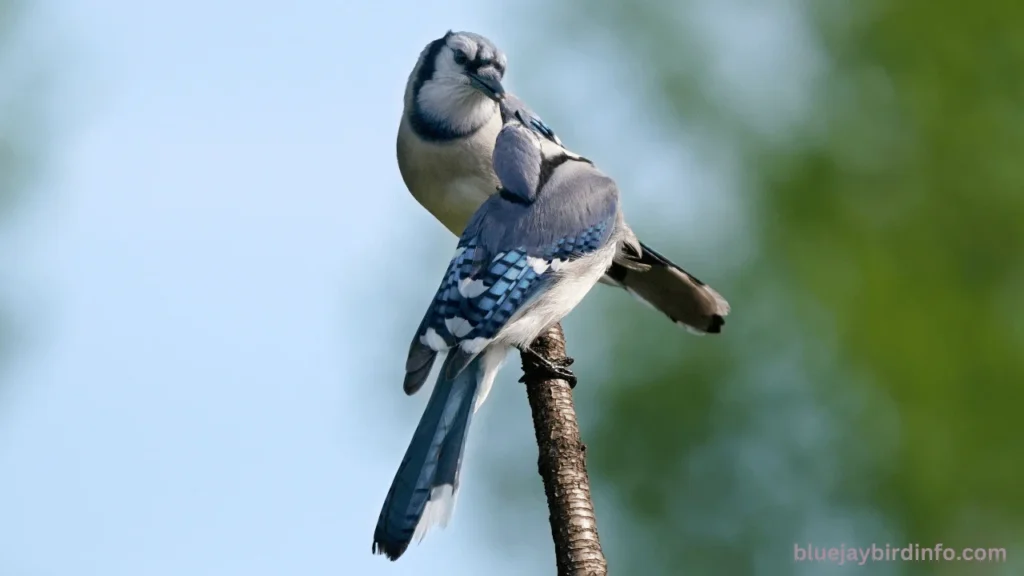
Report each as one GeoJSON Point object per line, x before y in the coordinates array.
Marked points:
{"type": "Point", "coordinates": [426, 71]}
{"type": "Point", "coordinates": [479, 63]}
{"type": "Point", "coordinates": [421, 125]}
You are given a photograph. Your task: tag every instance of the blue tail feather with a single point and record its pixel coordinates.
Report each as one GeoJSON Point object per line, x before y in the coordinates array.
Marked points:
{"type": "Point", "coordinates": [424, 488]}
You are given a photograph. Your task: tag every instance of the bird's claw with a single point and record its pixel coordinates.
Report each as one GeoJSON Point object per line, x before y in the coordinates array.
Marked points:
{"type": "Point", "coordinates": [552, 369]}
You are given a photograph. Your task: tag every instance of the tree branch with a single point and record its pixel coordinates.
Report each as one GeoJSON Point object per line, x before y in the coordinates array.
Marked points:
{"type": "Point", "coordinates": [562, 462]}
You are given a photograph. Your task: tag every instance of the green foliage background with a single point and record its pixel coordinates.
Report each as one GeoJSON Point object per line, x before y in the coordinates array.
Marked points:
{"type": "Point", "coordinates": [13, 146]}
{"type": "Point", "coordinates": [25, 136]}
{"type": "Point", "coordinates": [868, 386]}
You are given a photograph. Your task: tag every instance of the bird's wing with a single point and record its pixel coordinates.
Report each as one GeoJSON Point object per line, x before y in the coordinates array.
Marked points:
{"type": "Point", "coordinates": [508, 255]}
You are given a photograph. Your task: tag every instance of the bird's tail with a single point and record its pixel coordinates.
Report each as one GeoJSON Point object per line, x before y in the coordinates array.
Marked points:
{"type": "Point", "coordinates": [671, 290]}
{"type": "Point", "coordinates": [424, 489]}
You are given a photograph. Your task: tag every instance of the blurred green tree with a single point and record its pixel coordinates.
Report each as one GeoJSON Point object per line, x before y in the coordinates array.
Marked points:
{"type": "Point", "coordinates": [867, 388]}
{"type": "Point", "coordinates": [19, 133]}
{"type": "Point", "coordinates": [14, 103]}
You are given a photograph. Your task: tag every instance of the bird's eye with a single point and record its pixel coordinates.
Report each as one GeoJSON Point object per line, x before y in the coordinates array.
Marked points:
{"type": "Point", "coordinates": [461, 58]}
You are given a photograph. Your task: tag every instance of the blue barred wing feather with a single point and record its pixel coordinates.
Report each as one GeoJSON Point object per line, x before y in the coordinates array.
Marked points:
{"type": "Point", "coordinates": [481, 292]}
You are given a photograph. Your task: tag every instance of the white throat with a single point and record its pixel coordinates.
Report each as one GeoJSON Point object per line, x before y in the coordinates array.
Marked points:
{"type": "Point", "coordinates": [462, 107]}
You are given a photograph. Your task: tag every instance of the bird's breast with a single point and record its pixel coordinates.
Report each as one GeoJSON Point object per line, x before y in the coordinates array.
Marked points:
{"type": "Point", "coordinates": [450, 179]}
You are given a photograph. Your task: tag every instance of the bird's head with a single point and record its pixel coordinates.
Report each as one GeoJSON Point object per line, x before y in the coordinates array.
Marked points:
{"type": "Point", "coordinates": [458, 81]}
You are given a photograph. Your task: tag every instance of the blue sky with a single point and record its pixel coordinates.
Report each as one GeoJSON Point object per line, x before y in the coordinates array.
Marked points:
{"type": "Point", "coordinates": [209, 388]}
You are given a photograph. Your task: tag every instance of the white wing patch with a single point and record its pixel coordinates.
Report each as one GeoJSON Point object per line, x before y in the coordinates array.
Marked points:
{"type": "Point", "coordinates": [459, 327]}
{"type": "Point", "coordinates": [539, 265]}
{"type": "Point", "coordinates": [433, 340]}
{"type": "Point", "coordinates": [475, 345]}
{"type": "Point", "coordinates": [471, 288]}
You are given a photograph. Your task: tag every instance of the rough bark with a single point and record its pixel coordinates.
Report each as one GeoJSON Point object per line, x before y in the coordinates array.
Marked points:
{"type": "Point", "coordinates": [562, 462]}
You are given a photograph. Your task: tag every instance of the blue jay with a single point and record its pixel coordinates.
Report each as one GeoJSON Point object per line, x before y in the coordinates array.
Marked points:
{"type": "Point", "coordinates": [445, 143]}
{"type": "Point", "coordinates": [527, 257]}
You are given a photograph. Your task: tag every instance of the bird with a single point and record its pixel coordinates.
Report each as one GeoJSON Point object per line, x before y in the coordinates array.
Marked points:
{"type": "Point", "coordinates": [527, 257]}
{"type": "Point", "coordinates": [445, 142]}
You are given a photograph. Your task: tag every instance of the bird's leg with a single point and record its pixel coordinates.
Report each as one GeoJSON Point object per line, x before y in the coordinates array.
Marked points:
{"type": "Point", "coordinates": [548, 368]}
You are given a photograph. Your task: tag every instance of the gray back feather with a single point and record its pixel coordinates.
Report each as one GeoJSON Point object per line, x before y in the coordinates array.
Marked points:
{"type": "Point", "coordinates": [517, 162]}
{"type": "Point", "coordinates": [548, 194]}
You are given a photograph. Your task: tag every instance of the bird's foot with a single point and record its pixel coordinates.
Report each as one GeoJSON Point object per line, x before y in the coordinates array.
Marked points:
{"type": "Point", "coordinates": [551, 369]}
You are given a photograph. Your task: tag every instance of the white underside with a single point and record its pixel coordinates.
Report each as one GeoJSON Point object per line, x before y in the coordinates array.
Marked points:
{"type": "Point", "coordinates": [452, 179]}
{"type": "Point", "coordinates": [456, 205]}
{"type": "Point", "coordinates": [494, 359]}
{"type": "Point", "coordinates": [575, 279]}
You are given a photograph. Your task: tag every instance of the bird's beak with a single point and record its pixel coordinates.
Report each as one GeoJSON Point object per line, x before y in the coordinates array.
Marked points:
{"type": "Point", "coordinates": [488, 82]}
